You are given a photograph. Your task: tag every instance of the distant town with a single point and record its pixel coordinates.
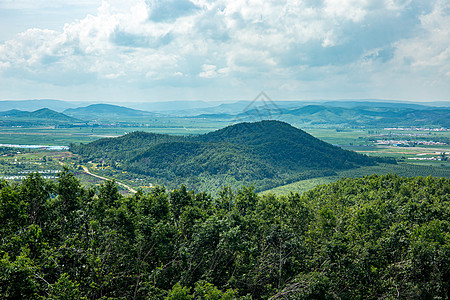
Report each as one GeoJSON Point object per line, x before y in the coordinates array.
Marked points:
{"type": "Point", "coordinates": [407, 143]}
{"type": "Point", "coordinates": [417, 129]}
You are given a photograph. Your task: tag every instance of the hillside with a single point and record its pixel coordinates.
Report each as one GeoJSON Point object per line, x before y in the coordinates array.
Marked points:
{"type": "Point", "coordinates": [123, 147]}
{"type": "Point", "coordinates": [267, 154]}
{"type": "Point", "coordinates": [105, 112]}
{"type": "Point", "coordinates": [284, 145]}
{"type": "Point", "coordinates": [38, 117]}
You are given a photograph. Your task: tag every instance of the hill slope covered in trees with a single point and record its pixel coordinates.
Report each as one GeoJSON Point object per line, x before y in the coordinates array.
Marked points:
{"type": "Point", "coordinates": [16, 117]}
{"type": "Point", "coordinates": [373, 237]}
{"type": "Point", "coordinates": [266, 154]}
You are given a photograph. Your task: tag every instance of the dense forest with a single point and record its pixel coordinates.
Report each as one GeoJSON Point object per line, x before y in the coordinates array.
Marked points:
{"type": "Point", "coordinates": [265, 154]}
{"type": "Point", "coordinates": [365, 238]}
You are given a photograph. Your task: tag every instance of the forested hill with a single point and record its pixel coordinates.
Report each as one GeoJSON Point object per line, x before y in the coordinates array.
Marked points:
{"type": "Point", "coordinates": [377, 237]}
{"type": "Point", "coordinates": [285, 145]}
{"type": "Point", "coordinates": [266, 153]}
{"type": "Point", "coordinates": [40, 116]}
{"type": "Point", "coordinates": [123, 147]}
{"type": "Point", "coordinates": [259, 133]}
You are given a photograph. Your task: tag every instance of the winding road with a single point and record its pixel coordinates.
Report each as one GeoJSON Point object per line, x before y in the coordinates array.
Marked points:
{"type": "Point", "coordinates": [85, 169]}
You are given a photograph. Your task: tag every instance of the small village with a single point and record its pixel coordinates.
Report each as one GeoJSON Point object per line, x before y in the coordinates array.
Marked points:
{"type": "Point", "coordinates": [408, 143]}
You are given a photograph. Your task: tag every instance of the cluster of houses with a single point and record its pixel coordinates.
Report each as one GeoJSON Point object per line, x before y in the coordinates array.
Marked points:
{"type": "Point", "coordinates": [406, 143]}
{"type": "Point", "coordinates": [417, 129]}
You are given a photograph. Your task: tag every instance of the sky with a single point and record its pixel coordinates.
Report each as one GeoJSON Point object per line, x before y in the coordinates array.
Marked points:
{"type": "Point", "coordinates": [219, 50]}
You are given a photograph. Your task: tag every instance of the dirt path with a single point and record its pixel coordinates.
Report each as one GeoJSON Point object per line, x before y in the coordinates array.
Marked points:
{"type": "Point", "coordinates": [85, 169]}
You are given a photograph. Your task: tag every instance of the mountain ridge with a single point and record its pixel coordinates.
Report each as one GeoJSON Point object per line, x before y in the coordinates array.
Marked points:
{"type": "Point", "coordinates": [102, 110]}
{"type": "Point", "coordinates": [267, 153]}
{"type": "Point", "coordinates": [44, 115]}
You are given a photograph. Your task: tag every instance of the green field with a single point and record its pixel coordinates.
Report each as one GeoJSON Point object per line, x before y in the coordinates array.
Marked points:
{"type": "Point", "coordinates": [402, 169]}
{"type": "Point", "coordinates": [65, 136]}
{"type": "Point", "coordinates": [339, 136]}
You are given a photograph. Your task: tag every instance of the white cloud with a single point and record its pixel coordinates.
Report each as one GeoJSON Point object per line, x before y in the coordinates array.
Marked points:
{"type": "Point", "coordinates": [287, 42]}
{"type": "Point", "coordinates": [432, 47]}
{"type": "Point", "coordinates": [427, 55]}
{"type": "Point", "coordinates": [209, 71]}
{"type": "Point", "coordinates": [352, 10]}
{"type": "Point", "coordinates": [397, 4]}
{"type": "Point", "coordinates": [45, 4]}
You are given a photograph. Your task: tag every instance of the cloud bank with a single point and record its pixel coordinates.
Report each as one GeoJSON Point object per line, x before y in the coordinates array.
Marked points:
{"type": "Point", "coordinates": [227, 49]}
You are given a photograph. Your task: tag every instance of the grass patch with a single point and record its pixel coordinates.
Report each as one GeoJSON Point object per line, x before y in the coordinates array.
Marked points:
{"type": "Point", "coordinates": [402, 169]}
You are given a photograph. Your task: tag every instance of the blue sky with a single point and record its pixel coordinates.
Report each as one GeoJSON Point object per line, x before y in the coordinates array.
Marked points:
{"type": "Point", "coordinates": [156, 50]}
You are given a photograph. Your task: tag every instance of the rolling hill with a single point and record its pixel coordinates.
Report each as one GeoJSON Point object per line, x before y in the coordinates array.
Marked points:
{"type": "Point", "coordinates": [35, 104]}
{"type": "Point", "coordinates": [123, 147]}
{"type": "Point", "coordinates": [42, 116]}
{"type": "Point", "coordinates": [266, 153]}
{"type": "Point", "coordinates": [106, 112]}
{"type": "Point", "coordinates": [285, 145]}
{"type": "Point", "coordinates": [366, 115]}
{"type": "Point", "coordinates": [372, 116]}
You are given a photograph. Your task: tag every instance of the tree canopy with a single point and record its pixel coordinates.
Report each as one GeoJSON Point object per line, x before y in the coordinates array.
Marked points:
{"type": "Point", "coordinates": [372, 237]}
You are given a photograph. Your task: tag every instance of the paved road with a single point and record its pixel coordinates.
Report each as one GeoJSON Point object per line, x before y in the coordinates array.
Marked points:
{"type": "Point", "coordinates": [104, 178]}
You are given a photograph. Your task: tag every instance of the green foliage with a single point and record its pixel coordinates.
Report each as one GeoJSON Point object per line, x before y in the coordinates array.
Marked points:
{"type": "Point", "coordinates": [179, 293]}
{"type": "Point", "coordinates": [264, 154]}
{"type": "Point", "coordinates": [64, 289]}
{"type": "Point", "coordinates": [36, 192]}
{"type": "Point", "coordinates": [371, 237]}
{"type": "Point", "coordinates": [13, 209]}
{"type": "Point", "coordinates": [202, 291]}
{"type": "Point", "coordinates": [18, 278]}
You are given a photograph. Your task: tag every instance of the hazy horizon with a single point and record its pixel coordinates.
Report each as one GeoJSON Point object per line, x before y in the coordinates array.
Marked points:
{"type": "Point", "coordinates": [213, 102]}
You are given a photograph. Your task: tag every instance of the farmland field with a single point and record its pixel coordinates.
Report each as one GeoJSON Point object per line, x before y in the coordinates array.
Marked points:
{"type": "Point", "coordinates": [65, 136]}
{"type": "Point", "coordinates": [402, 169]}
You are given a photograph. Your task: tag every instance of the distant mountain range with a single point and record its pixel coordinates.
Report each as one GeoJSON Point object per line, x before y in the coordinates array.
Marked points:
{"type": "Point", "coordinates": [267, 154]}
{"type": "Point", "coordinates": [366, 116]}
{"type": "Point", "coordinates": [32, 105]}
{"type": "Point", "coordinates": [42, 116]}
{"type": "Point", "coordinates": [106, 112]}
{"type": "Point", "coordinates": [233, 107]}
{"type": "Point", "coordinates": [370, 113]}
